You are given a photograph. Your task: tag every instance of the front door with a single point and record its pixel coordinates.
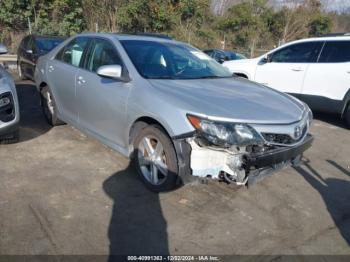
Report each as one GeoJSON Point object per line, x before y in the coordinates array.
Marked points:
{"type": "Point", "coordinates": [286, 68]}
{"type": "Point", "coordinates": [102, 101]}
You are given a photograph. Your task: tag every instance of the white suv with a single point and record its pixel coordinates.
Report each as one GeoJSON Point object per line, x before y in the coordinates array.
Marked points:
{"type": "Point", "coordinates": [316, 70]}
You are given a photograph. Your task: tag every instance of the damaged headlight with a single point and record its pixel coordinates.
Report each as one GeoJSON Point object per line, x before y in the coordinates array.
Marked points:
{"type": "Point", "coordinates": [4, 101]}
{"type": "Point", "coordinates": [310, 116]}
{"type": "Point", "coordinates": [225, 134]}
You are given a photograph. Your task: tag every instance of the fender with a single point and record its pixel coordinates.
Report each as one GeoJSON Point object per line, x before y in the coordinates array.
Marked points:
{"type": "Point", "coordinates": [241, 72]}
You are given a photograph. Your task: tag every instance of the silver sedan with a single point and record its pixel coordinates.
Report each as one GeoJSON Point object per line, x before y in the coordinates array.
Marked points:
{"type": "Point", "coordinates": [178, 113]}
{"type": "Point", "coordinates": [9, 107]}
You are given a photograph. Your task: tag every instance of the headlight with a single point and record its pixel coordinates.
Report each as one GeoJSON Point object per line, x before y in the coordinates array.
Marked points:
{"type": "Point", "coordinates": [225, 134]}
{"type": "Point", "coordinates": [4, 101]}
{"type": "Point", "coordinates": [310, 116]}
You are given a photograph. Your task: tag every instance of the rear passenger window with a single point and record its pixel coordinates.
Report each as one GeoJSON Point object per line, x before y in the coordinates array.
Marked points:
{"type": "Point", "coordinates": [102, 53]}
{"type": "Point", "coordinates": [25, 42]}
{"type": "Point", "coordinates": [72, 53]}
{"type": "Point", "coordinates": [335, 52]}
{"type": "Point", "coordinates": [297, 53]}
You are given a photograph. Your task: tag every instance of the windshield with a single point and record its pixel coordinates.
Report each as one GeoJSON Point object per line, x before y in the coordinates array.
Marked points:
{"type": "Point", "coordinates": [240, 56]}
{"type": "Point", "coordinates": [45, 45]}
{"type": "Point", "coordinates": [166, 60]}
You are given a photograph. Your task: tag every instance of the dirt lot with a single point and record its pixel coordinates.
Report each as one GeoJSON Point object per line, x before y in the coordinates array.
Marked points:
{"type": "Point", "coordinates": [64, 193]}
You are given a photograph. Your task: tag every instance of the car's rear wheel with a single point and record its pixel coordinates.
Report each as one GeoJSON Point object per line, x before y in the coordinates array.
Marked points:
{"type": "Point", "coordinates": [49, 107]}
{"type": "Point", "coordinates": [20, 72]}
{"type": "Point", "coordinates": [155, 159]}
{"type": "Point", "coordinates": [347, 116]}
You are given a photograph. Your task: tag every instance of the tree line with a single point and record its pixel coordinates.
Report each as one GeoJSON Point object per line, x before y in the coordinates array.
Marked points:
{"type": "Point", "coordinates": [248, 26]}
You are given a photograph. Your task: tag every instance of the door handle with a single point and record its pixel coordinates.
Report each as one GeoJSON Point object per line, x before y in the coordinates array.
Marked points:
{"type": "Point", "coordinates": [51, 68]}
{"type": "Point", "coordinates": [81, 80]}
{"type": "Point", "coordinates": [297, 69]}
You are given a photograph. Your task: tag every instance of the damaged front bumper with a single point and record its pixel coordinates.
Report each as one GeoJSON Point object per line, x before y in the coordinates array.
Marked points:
{"type": "Point", "coordinates": [235, 166]}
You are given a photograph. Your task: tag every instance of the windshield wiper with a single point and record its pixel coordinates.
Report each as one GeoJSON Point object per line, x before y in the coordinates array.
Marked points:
{"type": "Point", "coordinates": [209, 77]}
{"type": "Point", "coordinates": [161, 77]}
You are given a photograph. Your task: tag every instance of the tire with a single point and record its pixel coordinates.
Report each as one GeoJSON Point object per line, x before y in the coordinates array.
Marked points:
{"type": "Point", "coordinates": [162, 161]}
{"type": "Point", "coordinates": [10, 139]}
{"type": "Point", "coordinates": [49, 107]}
{"type": "Point", "coordinates": [347, 116]}
{"type": "Point", "coordinates": [20, 72]}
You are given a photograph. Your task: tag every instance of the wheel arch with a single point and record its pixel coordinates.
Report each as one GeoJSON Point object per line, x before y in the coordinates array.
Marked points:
{"type": "Point", "coordinates": [141, 123]}
{"type": "Point", "coordinates": [42, 85]}
{"type": "Point", "coordinates": [242, 75]}
{"type": "Point", "coordinates": [346, 103]}
{"type": "Point", "coordinates": [182, 149]}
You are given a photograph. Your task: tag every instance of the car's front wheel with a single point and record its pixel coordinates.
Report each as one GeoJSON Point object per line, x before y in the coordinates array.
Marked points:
{"type": "Point", "coordinates": [49, 107]}
{"type": "Point", "coordinates": [155, 159]}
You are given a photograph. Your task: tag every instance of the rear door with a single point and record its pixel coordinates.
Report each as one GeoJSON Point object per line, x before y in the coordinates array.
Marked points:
{"type": "Point", "coordinates": [287, 66]}
{"type": "Point", "coordinates": [26, 55]}
{"type": "Point", "coordinates": [61, 74]}
{"type": "Point", "coordinates": [327, 81]}
{"type": "Point", "coordinates": [102, 101]}
{"type": "Point", "coordinates": [21, 51]}
{"type": "Point", "coordinates": [31, 57]}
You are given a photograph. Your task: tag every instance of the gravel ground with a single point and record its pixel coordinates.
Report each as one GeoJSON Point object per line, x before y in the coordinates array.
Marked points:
{"type": "Point", "coordinates": [64, 193]}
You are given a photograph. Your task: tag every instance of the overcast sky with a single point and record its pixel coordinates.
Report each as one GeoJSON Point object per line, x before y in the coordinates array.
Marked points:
{"type": "Point", "coordinates": [332, 5]}
{"type": "Point", "coordinates": [218, 6]}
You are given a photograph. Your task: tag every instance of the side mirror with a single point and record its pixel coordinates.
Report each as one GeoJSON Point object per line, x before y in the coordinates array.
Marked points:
{"type": "Point", "coordinates": [111, 71]}
{"type": "Point", "coordinates": [3, 49]}
{"type": "Point", "coordinates": [29, 51]}
{"type": "Point", "coordinates": [221, 60]}
{"type": "Point", "coordinates": [266, 59]}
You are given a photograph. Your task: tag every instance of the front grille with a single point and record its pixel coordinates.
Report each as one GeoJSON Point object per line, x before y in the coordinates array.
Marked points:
{"type": "Point", "coordinates": [283, 139]}
{"type": "Point", "coordinates": [7, 113]}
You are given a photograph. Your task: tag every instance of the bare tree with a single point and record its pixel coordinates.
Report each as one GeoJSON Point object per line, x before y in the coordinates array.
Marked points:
{"type": "Point", "coordinates": [101, 14]}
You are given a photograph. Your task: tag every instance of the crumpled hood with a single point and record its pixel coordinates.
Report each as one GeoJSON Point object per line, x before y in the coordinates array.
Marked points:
{"type": "Point", "coordinates": [231, 99]}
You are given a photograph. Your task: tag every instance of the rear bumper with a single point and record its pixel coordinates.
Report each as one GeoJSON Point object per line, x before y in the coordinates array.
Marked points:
{"type": "Point", "coordinates": [274, 157]}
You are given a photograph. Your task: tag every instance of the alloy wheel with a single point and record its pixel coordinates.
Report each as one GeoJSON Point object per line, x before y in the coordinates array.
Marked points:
{"type": "Point", "coordinates": [152, 160]}
{"type": "Point", "coordinates": [49, 102]}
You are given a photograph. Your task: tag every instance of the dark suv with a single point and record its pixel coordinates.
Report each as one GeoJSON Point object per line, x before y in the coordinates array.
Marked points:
{"type": "Point", "coordinates": [221, 55]}
{"type": "Point", "coordinates": [30, 49]}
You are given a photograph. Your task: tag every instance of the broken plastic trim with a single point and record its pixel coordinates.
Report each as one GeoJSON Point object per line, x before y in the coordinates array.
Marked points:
{"type": "Point", "coordinates": [240, 168]}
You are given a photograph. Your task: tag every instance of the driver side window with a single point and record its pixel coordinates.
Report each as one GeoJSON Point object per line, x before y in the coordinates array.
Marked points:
{"type": "Point", "coordinates": [297, 53]}
{"type": "Point", "coordinates": [102, 53]}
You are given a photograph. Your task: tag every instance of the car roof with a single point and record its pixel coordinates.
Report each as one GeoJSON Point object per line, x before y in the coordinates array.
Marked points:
{"type": "Point", "coordinates": [215, 49]}
{"type": "Point", "coordinates": [221, 50]}
{"type": "Point", "coordinates": [47, 36]}
{"type": "Point", "coordinates": [322, 39]}
{"type": "Point", "coordinates": [121, 37]}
